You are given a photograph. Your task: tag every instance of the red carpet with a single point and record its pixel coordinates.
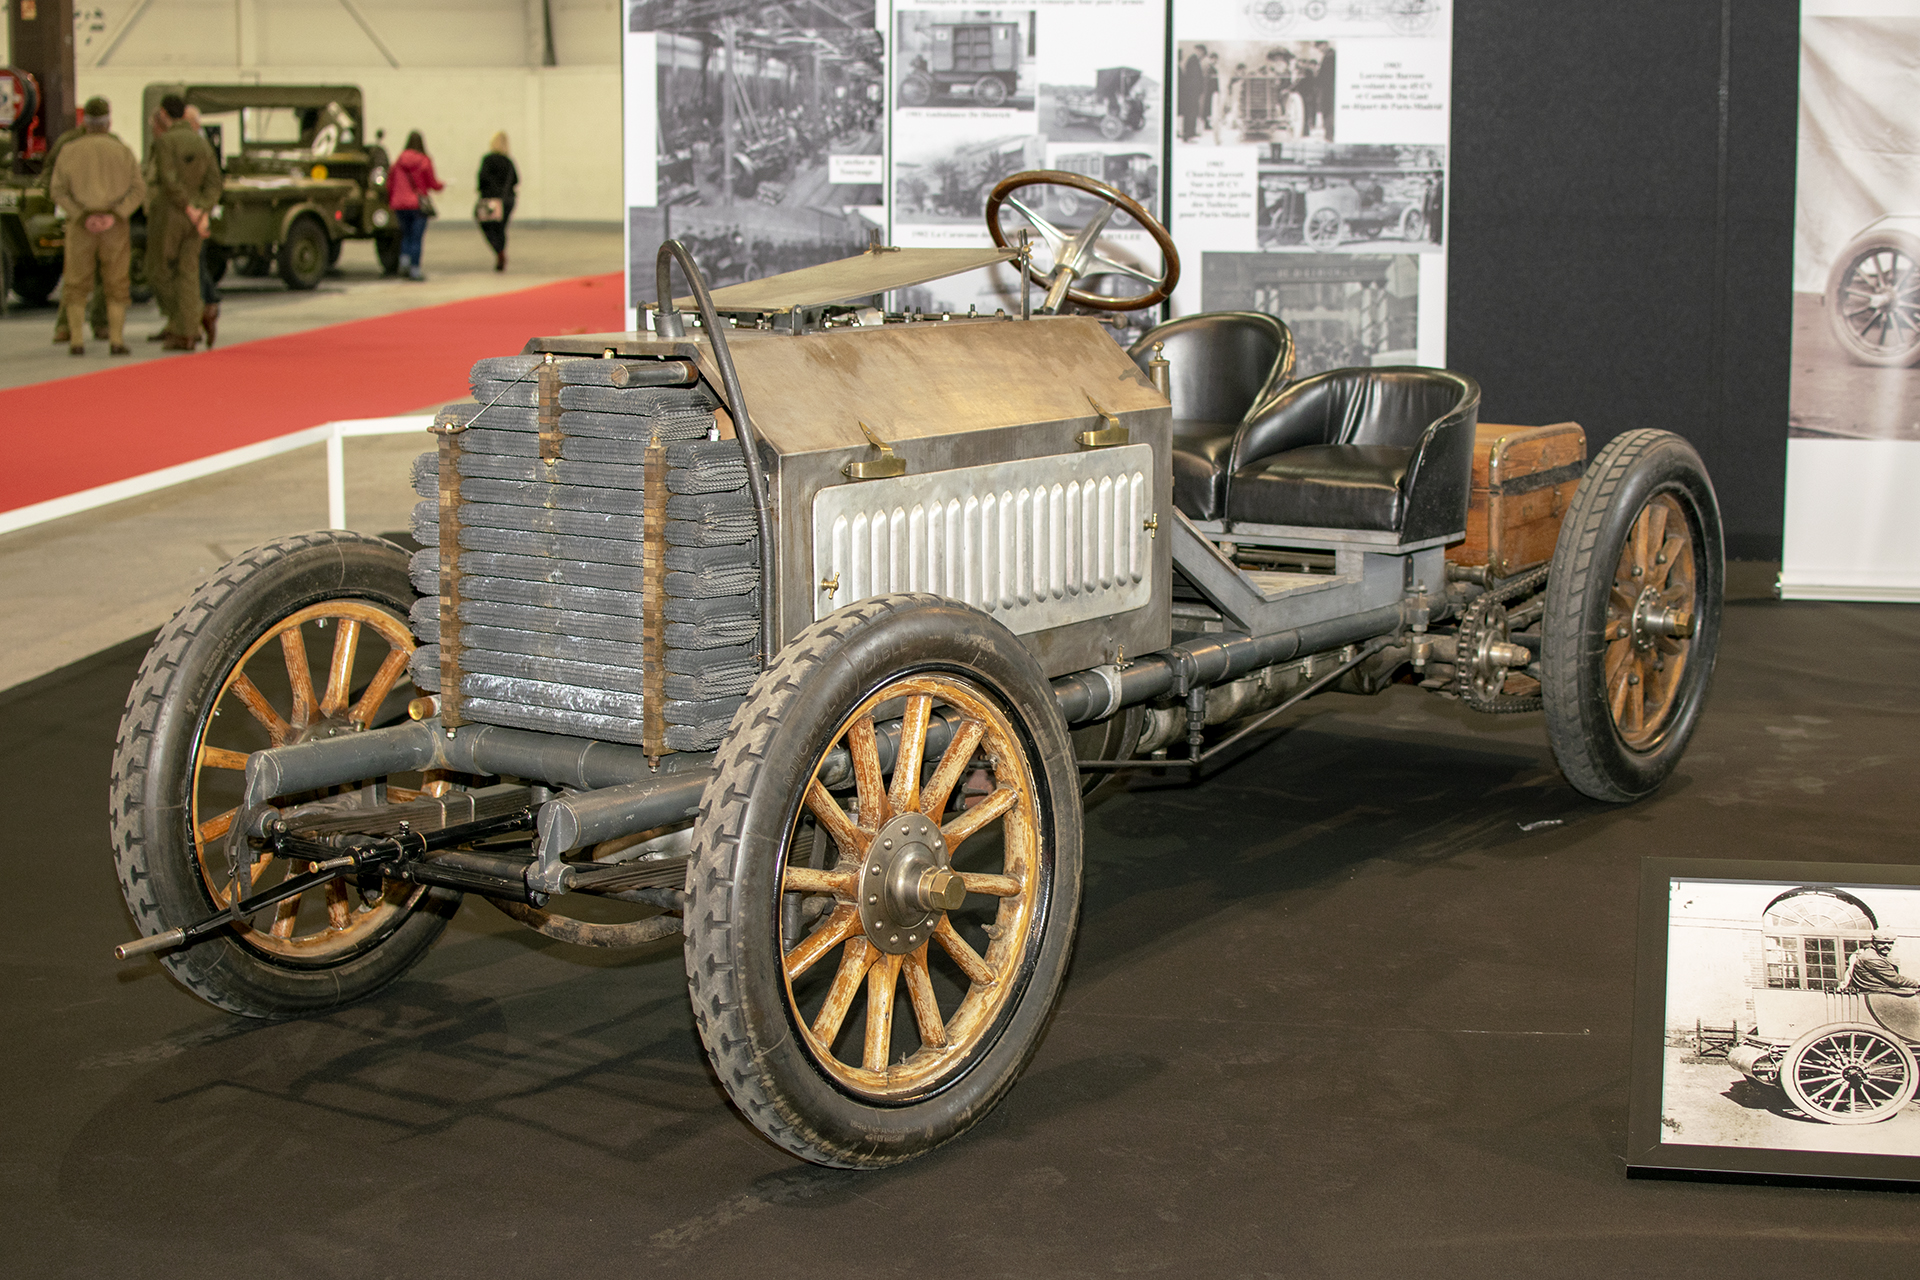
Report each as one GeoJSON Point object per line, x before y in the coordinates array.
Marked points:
{"type": "Point", "coordinates": [78, 433]}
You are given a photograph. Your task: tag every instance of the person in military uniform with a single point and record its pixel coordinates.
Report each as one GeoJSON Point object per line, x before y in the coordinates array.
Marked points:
{"type": "Point", "coordinates": [97, 304]}
{"type": "Point", "coordinates": [187, 184]}
{"type": "Point", "coordinates": [96, 182]}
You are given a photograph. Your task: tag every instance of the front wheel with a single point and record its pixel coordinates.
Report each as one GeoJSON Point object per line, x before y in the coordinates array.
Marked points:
{"type": "Point", "coordinates": [301, 639]}
{"type": "Point", "coordinates": [1873, 299]}
{"type": "Point", "coordinates": [1849, 1074]}
{"type": "Point", "coordinates": [886, 881]}
{"type": "Point", "coordinates": [989, 91]}
{"type": "Point", "coordinates": [1413, 225]}
{"type": "Point", "coordinates": [916, 90]}
{"type": "Point", "coordinates": [1325, 229]}
{"type": "Point", "coordinates": [1632, 620]}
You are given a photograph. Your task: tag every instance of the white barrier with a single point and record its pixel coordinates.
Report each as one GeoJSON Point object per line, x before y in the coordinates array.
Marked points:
{"type": "Point", "coordinates": [332, 434]}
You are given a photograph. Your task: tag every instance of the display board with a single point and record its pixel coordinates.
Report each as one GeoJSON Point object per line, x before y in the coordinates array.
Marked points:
{"type": "Point", "coordinates": [1307, 174]}
{"type": "Point", "coordinates": [1309, 171]}
{"type": "Point", "coordinates": [1852, 529]}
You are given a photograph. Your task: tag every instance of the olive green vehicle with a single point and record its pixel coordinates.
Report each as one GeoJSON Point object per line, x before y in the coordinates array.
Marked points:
{"type": "Point", "coordinates": [302, 177]}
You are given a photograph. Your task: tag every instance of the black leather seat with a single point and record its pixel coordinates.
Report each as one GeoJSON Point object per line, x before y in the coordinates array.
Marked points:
{"type": "Point", "coordinates": [1221, 366]}
{"type": "Point", "coordinates": [1382, 449]}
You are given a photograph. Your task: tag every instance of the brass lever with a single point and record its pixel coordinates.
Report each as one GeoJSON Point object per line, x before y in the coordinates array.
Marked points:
{"type": "Point", "coordinates": [886, 466]}
{"type": "Point", "coordinates": [1103, 437]}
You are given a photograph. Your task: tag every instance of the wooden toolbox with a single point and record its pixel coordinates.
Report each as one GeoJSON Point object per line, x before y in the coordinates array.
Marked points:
{"type": "Point", "coordinates": [1523, 483]}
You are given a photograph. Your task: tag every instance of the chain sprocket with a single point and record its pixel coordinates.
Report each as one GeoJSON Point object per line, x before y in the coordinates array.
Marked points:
{"type": "Point", "coordinates": [1477, 681]}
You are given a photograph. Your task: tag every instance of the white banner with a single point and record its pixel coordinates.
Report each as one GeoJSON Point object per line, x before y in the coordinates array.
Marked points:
{"type": "Point", "coordinates": [1852, 527]}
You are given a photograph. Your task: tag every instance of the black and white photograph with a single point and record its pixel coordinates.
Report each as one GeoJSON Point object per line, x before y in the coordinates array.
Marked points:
{"type": "Point", "coordinates": [1856, 269]}
{"type": "Point", "coordinates": [1128, 170]}
{"type": "Point", "coordinates": [982, 58]}
{"type": "Point", "coordinates": [1345, 310]}
{"type": "Point", "coordinates": [1118, 104]}
{"type": "Point", "coordinates": [943, 177]}
{"type": "Point", "coordinates": [1233, 92]}
{"type": "Point", "coordinates": [746, 242]}
{"type": "Point", "coordinates": [1788, 1013]}
{"type": "Point", "coordinates": [1322, 198]}
{"type": "Point", "coordinates": [754, 107]}
{"type": "Point", "coordinates": [1346, 17]}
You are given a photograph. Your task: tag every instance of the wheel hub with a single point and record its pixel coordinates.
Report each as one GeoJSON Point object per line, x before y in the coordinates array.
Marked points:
{"type": "Point", "coordinates": [906, 882]}
{"type": "Point", "coordinates": [1652, 619]}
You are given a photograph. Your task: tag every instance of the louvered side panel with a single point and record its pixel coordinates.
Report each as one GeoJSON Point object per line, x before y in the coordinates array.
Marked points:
{"type": "Point", "coordinates": [1040, 543]}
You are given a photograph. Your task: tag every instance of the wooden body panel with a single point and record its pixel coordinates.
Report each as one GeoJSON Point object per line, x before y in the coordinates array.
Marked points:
{"type": "Point", "coordinates": [1523, 482]}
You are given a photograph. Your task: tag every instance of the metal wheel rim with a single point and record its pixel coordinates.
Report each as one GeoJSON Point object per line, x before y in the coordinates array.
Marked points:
{"type": "Point", "coordinates": [950, 1031]}
{"type": "Point", "coordinates": [1323, 228]}
{"type": "Point", "coordinates": [1880, 302]}
{"type": "Point", "coordinates": [346, 927]}
{"type": "Point", "coordinates": [1851, 1074]}
{"type": "Point", "coordinates": [1645, 666]}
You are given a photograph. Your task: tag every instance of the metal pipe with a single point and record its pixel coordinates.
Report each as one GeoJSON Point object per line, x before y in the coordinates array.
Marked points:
{"type": "Point", "coordinates": [553, 758]}
{"type": "Point", "coordinates": [673, 251]}
{"type": "Point", "coordinates": [573, 822]}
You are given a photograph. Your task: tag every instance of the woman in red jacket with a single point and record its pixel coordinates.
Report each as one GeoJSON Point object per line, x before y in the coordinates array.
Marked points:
{"type": "Point", "coordinates": [410, 184]}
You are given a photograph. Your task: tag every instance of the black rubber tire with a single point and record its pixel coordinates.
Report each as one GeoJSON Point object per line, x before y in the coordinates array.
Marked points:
{"type": "Point", "coordinates": [33, 280]}
{"type": "Point", "coordinates": [253, 261]}
{"type": "Point", "coordinates": [1630, 471]}
{"type": "Point", "coordinates": [734, 971]}
{"type": "Point", "coordinates": [302, 259]}
{"type": "Point", "coordinates": [1882, 248]}
{"type": "Point", "coordinates": [160, 730]}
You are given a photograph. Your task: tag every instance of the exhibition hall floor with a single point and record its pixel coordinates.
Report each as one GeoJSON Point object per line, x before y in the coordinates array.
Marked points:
{"type": "Point", "coordinates": [1358, 1005]}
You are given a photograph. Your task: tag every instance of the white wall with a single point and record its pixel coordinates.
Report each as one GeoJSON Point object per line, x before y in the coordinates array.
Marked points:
{"type": "Point", "coordinates": [465, 68]}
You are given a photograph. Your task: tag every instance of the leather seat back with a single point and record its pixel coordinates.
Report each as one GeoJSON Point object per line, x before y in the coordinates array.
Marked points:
{"type": "Point", "coordinates": [1220, 364]}
{"type": "Point", "coordinates": [1384, 406]}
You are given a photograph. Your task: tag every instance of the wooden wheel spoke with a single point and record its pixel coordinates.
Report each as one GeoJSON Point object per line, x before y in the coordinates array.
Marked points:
{"type": "Point", "coordinates": [1617, 689]}
{"type": "Point", "coordinates": [882, 979]}
{"type": "Point", "coordinates": [1656, 530]}
{"type": "Point", "coordinates": [992, 886]}
{"type": "Point", "coordinates": [215, 827]}
{"type": "Point", "coordinates": [379, 687]}
{"type": "Point", "coordinates": [870, 788]}
{"type": "Point", "coordinates": [284, 916]}
{"type": "Point", "coordinates": [835, 822]}
{"type": "Point", "coordinates": [854, 963]}
{"type": "Point", "coordinates": [904, 795]}
{"type": "Point", "coordinates": [221, 758]}
{"type": "Point", "coordinates": [926, 1008]}
{"type": "Point", "coordinates": [844, 923]}
{"type": "Point", "coordinates": [806, 880]}
{"type": "Point", "coordinates": [953, 763]}
{"type": "Point", "coordinates": [257, 705]}
{"type": "Point", "coordinates": [1637, 547]}
{"type": "Point", "coordinates": [339, 908]}
{"type": "Point", "coordinates": [346, 641]}
{"type": "Point", "coordinates": [1669, 559]}
{"type": "Point", "coordinates": [962, 952]}
{"type": "Point", "coordinates": [293, 647]}
{"type": "Point", "coordinates": [963, 826]}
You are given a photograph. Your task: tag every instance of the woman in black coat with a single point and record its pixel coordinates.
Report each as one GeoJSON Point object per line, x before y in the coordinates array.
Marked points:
{"type": "Point", "coordinates": [497, 180]}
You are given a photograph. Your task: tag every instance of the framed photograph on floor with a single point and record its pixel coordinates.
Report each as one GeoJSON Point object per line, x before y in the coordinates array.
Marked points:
{"type": "Point", "coordinates": [1776, 1021]}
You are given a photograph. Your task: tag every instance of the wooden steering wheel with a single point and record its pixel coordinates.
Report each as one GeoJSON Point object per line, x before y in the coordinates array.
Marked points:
{"type": "Point", "coordinates": [1074, 252]}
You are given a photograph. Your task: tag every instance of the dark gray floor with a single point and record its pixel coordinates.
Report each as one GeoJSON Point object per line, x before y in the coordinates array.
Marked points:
{"type": "Point", "coordinates": [1333, 1014]}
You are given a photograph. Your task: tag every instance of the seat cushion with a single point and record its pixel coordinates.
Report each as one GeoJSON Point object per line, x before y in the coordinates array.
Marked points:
{"type": "Point", "coordinates": [1324, 486]}
{"type": "Point", "coordinates": [1200, 451]}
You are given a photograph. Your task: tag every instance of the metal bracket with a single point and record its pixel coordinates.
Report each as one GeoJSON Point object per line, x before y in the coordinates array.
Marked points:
{"type": "Point", "coordinates": [1104, 437]}
{"type": "Point", "coordinates": [884, 467]}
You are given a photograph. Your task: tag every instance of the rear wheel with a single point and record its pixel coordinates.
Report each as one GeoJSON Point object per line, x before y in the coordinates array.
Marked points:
{"type": "Point", "coordinates": [1873, 299]}
{"type": "Point", "coordinates": [300, 639]}
{"type": "Point", "coordinates": [1632, 620]}
{"type": "Point", "coordinates": [1849, 1074]}
{"type": "Point", "coordinates": [303, 254]}
{"type": "Point", "coordinates": [879, 927]}
{"type": "Point", "coordinates": [989, 91]}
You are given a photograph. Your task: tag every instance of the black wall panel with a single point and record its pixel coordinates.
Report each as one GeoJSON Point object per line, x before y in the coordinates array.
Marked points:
{"type": "Point", "coordinates": [1622, 229]}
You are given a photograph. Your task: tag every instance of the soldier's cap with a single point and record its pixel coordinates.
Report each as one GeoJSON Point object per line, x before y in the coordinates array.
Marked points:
{"type": "Point", "coordinates": [98, 108]}
{"type": "Point", "coordinates": [174, 105]}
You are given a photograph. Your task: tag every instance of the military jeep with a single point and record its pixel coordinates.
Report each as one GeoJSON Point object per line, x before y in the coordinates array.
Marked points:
{"type": "Point", "coordinates": [802, 627]}
{"type": "Point", "coordinates": [302, 177]}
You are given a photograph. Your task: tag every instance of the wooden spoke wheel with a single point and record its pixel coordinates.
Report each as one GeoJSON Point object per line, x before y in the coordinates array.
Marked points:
{"type": "Point", "coordinates": [1849, 1074]}
{"type": "Point", "coordinates": [886, 876]}
{"type": "Point", "coordinates": [1873, 298]}
{"type": "Point", "coordinates": [302, 639]}
{"type": "Point", "coordinates": [1632, 618]}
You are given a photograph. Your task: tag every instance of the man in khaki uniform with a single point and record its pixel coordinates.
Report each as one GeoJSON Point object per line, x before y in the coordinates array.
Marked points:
{"type": "Point", "coordinates": [187, 184]}
{"type": "Point", "coordinates": [96, 182]}
{"type": "Point", "coordinates": [97, 304]}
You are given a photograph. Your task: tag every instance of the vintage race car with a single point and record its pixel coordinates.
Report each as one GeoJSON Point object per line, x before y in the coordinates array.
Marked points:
{"type": "Point", "coordinates": [803, 627]}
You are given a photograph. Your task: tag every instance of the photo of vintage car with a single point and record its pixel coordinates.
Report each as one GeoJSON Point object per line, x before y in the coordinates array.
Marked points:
{"type": "Point", "coordinates": [1325, 206]}
{"type": "Point", "coordinates": [975, 57]}
{"type": "Point", "coordinates": [799, 628]}
{"type": "Point", "coordinates": [1873, 293]}
{"type": "Point", "coordinates": [1115, 104]}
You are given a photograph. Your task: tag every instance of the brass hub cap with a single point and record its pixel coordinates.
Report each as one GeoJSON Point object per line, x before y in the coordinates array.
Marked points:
{"type": "Point", "coordinates": [284, 690]}
{"type": "Point", "coordinates": [931, 897]}
{"type": "Point", "coordinates": [1650, 618]}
